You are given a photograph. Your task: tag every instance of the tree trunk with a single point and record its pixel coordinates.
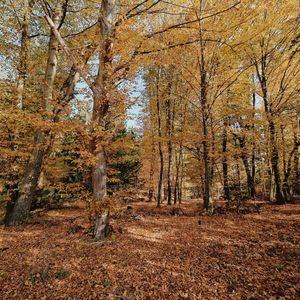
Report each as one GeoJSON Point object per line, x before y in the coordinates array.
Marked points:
{"type": "Point", "coordinates": [102, 227]}
{"type": "Point", "coordinates": [169, 146]}
{"type": "Point", "coordinates": [213, 151]}
{"type": "Point", "coordinates": [207, 172]}
{"type": "Point", "coordinates": [225, 164]}
{"type": "Point", "coordinates": [272, 131]}
{"type": "Point", "coordinates": [253, 169]}
{"type": "Point", "coordinates": [100, 110]}
{"type": "Point", "coordinates": [99, 175]}
{"type": "Point", "coordinates": [207, 198]}
{"type": "Point", "coordinates": [274, 162]}
{"type": "Point", "coordinates": [20, 210]}
{"type": "Point", "coordinates": [287, 172]}
{"type": "Point", "coordinates": [250, 180]}
{"type": "Point", "coordinates": [181, 182]}
{"type": "Point", "coordinates": [17, 212]}
{"type": "Point", "coordinates": [161, 170]}
{"type": "Point", "coordinates": [296, 181]}
{"type": "Point", "coordinates": [176, 188]}
{"type": "Point", "coordinates": [151, 175]}
{"type": "Point", "coordinates": [176, 184]}
{"type": "Point", "coordinates": [180, 165]}
{"type": "Point", "coordinates": [237, 183]}
{"type": "Point", "coordinates": [22, 68]}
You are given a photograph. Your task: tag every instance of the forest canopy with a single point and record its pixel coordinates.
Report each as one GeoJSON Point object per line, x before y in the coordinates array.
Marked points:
{"type": "Point", "coordinates": [213, 86]}
{"type": "Point", "coordinates": [149, 149]}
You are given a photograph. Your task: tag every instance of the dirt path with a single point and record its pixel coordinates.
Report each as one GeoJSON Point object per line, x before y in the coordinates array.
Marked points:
{"type": "Point", "coordinates": [154, 255]}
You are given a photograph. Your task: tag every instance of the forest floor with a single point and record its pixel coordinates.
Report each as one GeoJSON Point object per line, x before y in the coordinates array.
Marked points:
{"type": "Point", "coordinates": [155, 254]}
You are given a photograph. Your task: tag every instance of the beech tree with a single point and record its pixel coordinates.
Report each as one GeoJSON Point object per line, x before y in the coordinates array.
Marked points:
{"type": "Point", "coordinates": [220, 99]}
{"type": "Point", "coordinates": [20, 209]}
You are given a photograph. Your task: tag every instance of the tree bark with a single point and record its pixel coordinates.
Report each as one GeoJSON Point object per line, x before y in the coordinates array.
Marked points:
{"type": "Point", "coordinates": [102, 227]}
{"type": "Point", "coordinates": [180, 165]}
{"type": "Point", "coordinates": [253, 168]}
{"type": "Point", "coordinates": [169, 146]}
{"type": "Point", "coordinates": [272, 130]}
{"type": "Point", "coordinates": [100, 110]}
{"type": "Point", "coordinates": [151, 175]}
{"type": "Point", "coordinates": [178, 159]}
{"type": "Point", "coordinates": [207, 198]}
{"type": "Point", "coordinates": [176, 184]}
{"type": "Point", "coordinates": [20, 210]}
{"type": "Point", "coordinates": [238, 172]}
{"type": "Point", "coordinates": [23, 68]}
{"type": "Point", "coordinates": [159, 129]}
{"type": "Point", "coordinates": [225, 164]}
{"type": "Point", "coordinates": [207, 172]}
{"type": "Point", "coordinates": [181, 181]}
{"type": "Point", "coordinates": [274, 162]}
{"type": "Point", "coordinates": [296, 181]}
{"type": "Point", "coordinates": [213, 151]}
{"type": "Point", "coordinates": [250, 179]}
{"type": "Point", "coordinates": [288, 171]}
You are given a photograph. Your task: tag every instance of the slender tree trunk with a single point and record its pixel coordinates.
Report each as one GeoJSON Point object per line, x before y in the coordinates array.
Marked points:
{"type": "Point", "coordinates": [177, 175]}
{"type": "Point", "coordinates": [207, 199]}
{"type": "Point", "coordinates": [181, 180]}
{"type": "Point", "coordinates": [238, 172]}
{"type": "Point", "coordinates": [20, 210]}
{"type": "Point", "coordinates": [207, 171]}
{"type": "Point", "coordinates": [180, 165]}
{"type": "Point", "coordinates": [269, 170]}
{"type": "Point", "coordinates": [161, 157]}
{"type": "Point", "coordinates": [296, 181]}
{"type": "Point", "coordinates": [274, 162]}
{"type": "Point", "coordinates": [151, 175]}
{"type": "Point", "coordinates": [213, 151]}
{"type": "Point", "coordinates": [250, 180]}
{"type": "Point", "coordinates": [285, 185]}
{"type": "Point", "coordinates": [177, 161]}
{"type": "Point", "coordinates": [22, 68]}
{"type": "Point", "coordinates": [165, 189]}
{"type": "Point", "coordinates": [176, 183]}
{"type": "Point", "coordinates": [225, 164]}
{"type": "Point", "coordinates": [253, 168]}
{"type": "Point", "coordinates": [272, 131]}
{"type": "Point", "coordinates": [287, 172]}
{"type": "Point", "coordinates": [207, 203]}
{"type": "Point", "coordinates": [169, 146]}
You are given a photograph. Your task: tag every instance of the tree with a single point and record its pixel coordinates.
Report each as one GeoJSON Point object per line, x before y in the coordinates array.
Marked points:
{"type": "Point", "coordinates": [20, 209]}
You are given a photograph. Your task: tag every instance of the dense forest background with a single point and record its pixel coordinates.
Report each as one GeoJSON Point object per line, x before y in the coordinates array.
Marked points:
{"type": "Point", "coordinates": [149, 149]}
{"type": "Point", "coordinates": [214, 86]}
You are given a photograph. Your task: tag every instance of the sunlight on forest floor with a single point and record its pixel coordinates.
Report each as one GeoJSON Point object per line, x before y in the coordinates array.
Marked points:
{"type": "Point", "coordinates": [155, 256]}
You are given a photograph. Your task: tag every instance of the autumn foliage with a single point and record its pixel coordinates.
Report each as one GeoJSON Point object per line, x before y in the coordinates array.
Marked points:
{"type": "Point", "coordinates": [107, 102]}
